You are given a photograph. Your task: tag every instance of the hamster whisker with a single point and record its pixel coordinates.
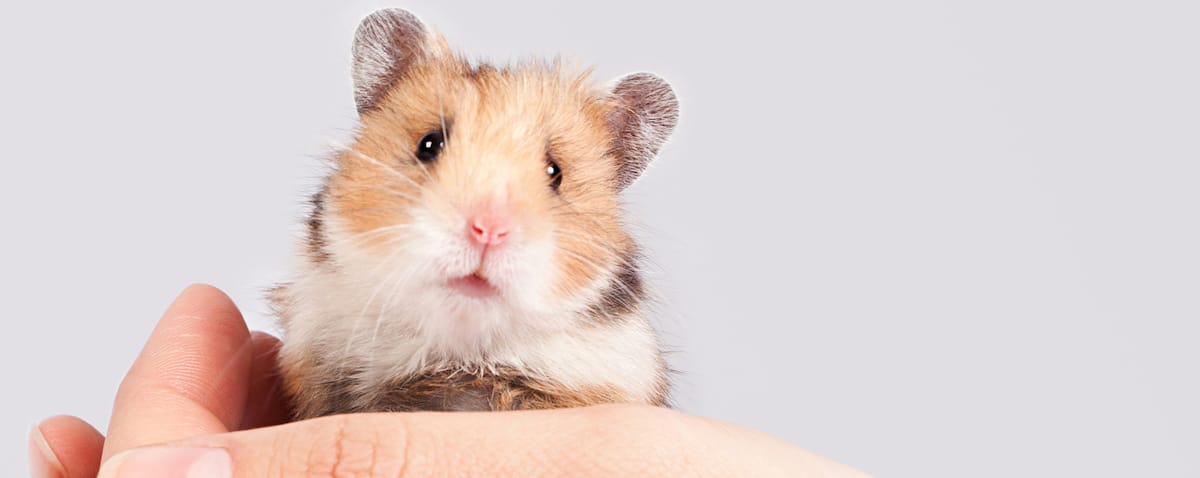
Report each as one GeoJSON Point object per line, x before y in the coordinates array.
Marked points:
{"type": "Point", "coordinates": [610, 252]}
{"type": "Point", "coordinates": [394, 209]}
{"type": "Point", "coordinates": [424, 170]}
{"type": "Point", "coordinates": [614, 250]}
{"type": "Point", "coordinates": [395, 192]}
{"type": "Point", "coordinates": [570, 206]}
{"type": "Point", "coordinates": [566, 210]}
{"type": "Point", "coordinates": [442, 110]}
{"type": "Point", "coordinates": [383, 308]}
{"type": "Point", "coordinates": [587, 261]}
{"type": "Point", "coordinates": [590, 240]}
{"type": "Point", "coordinates": [380, 164]}
{"type": "Point", "coordinates": [362, 314]}
{"type": "Point", "coordinates": [366, 236]}
{"type": "Point", "coordinates": [599, 268]}
{"type": "Point", "coordinates": [394, 239]}
{"type": "Point", "coordinates": [358, 318]}
{"type": "Point", "coordinates": [579, 214]}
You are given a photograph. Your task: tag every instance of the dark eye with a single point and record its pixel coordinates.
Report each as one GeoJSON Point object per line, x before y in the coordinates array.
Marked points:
{"type": "Point", "coordinates": [555, 174]}
{"type": "Point", "coordinates": [431, 146]}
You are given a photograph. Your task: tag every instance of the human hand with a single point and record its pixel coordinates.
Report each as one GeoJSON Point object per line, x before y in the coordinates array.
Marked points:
{"type": "Point", "coordinates": [201, 372]}
{"type": "Point", "coordinates": [202, 377]}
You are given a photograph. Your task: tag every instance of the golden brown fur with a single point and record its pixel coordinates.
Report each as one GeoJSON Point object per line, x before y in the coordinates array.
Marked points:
{"type": "Point", "coordinates": [558, 112]}
{"type": "Point", "coordinates": [502, 127]}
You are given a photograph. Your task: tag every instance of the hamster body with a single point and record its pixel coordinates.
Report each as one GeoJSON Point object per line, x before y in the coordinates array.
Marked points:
{"type": "Point", "coordinates": [467, 251]}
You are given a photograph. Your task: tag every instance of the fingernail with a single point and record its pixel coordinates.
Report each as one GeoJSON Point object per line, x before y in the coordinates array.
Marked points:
{"type": "Point", "coordinates": [167, 462]}
{"type": "Point", "coordinates": [43, 463]}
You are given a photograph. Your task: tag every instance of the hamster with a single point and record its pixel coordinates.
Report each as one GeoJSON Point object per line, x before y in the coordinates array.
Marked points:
{"type": "Point", "coordinates": [467, 250]}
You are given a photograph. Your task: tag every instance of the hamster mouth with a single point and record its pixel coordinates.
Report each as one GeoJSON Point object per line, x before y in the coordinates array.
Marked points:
{"type": "Point", "coordinates": [473, 285]}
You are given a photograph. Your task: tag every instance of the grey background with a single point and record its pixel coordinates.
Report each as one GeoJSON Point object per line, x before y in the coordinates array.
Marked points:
{"type": "Point", "coordinates": [923, 238]}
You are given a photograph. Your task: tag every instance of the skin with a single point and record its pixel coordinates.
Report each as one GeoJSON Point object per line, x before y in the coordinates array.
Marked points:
{"type": "Point", "coordinates": [203, 395]}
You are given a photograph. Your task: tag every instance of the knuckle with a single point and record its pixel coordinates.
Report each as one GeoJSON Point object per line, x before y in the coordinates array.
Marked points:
{"type": "Point", "coordinates": [343, 446]}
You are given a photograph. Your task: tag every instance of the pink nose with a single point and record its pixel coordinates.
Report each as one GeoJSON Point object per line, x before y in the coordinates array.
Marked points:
{"type": "Point", "coordinates": [489, 229]}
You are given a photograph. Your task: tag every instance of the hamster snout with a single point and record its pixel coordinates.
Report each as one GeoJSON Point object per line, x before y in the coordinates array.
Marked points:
{"type": "Point", "coordinates": [489, 227]}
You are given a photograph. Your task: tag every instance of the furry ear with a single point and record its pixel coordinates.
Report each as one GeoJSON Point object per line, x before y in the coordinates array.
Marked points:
{"type": "Point", "coordinates": [645, 114]}
{"type": "Point", "coordinates": [386, 44]}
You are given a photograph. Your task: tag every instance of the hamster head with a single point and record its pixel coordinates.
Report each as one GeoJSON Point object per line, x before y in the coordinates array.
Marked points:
{"type": "Point", "coordinates": [475, 203]}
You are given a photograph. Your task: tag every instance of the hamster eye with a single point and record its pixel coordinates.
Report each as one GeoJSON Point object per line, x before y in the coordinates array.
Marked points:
{"type": "Point", "coordinates": [431, 146]}
{"type": "Point", "coordinates": [555, 174]}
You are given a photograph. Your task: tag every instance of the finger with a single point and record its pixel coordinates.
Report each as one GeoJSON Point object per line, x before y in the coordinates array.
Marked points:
{"type": "Point", "coordinates": [64, 447]}
{"type": "Point", "coordinates": [264, 403]}
{"type": "Point", "coordinates": [191, 377]}
{"type": "Point", "coordinates": [596, 441]}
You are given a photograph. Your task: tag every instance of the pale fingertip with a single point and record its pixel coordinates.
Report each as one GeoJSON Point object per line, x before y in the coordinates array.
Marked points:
{"type": "Point", "coordinates": [43, 463]}
{"type": "Point", "coordinates": [169, 462]}
{"type": "Point", "coordinates": [201, 288]}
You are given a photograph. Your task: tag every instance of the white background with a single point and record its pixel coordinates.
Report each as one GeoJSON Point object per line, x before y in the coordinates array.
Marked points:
{"type": "Point", "coordinates": [923, 238]}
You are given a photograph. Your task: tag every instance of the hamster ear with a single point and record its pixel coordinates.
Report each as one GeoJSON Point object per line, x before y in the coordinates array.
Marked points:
{"type": "Point", "coordinates": [645, 114]}
{"type": "Point", "coordinates": [386, 44]}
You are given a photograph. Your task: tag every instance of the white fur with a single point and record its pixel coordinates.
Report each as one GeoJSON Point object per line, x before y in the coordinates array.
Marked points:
{"type": "Point", "coordinates": [390, 315]}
